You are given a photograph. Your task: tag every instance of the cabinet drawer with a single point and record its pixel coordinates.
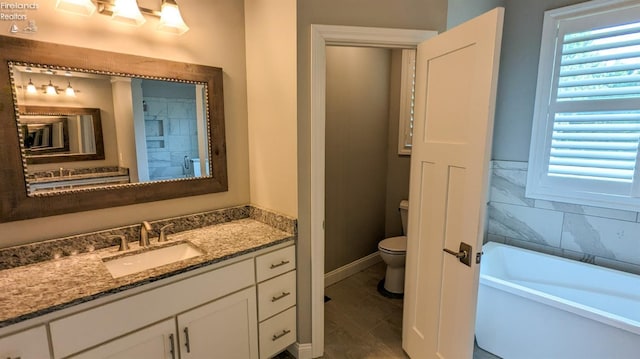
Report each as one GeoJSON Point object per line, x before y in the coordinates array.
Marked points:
{"type": "Point", "coordinates": [29, 344]}
{"type": "Point", "coordinates": [275, 263]}
{"type": "Point", "coordinates": [76, 332]}
{"type": "Point", "coordinates": [277, 333]}
{"type": "Point", "coordinates": [276, 295]}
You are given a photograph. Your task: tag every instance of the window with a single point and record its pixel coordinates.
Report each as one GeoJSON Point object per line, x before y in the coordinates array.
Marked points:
{"type": "Point", "coordinates": [586, 125]}
{"type": "Point", "coordinates": [407, 100]}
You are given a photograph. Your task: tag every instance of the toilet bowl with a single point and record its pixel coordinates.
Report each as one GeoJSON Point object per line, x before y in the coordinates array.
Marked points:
{"type": "Point", "coordinates": [393, 252]}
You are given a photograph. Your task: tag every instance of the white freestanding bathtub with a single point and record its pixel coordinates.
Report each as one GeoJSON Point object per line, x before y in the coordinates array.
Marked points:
{"type": "Point", "coordinates": [538, 306]}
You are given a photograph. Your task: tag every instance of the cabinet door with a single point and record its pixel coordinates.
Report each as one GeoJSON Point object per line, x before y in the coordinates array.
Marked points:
{"type": "Point", "coordinates": [154, 342]}
{"type": "Point", "coordinates": [29, 344]}
{"type": "Point", "coordinates": [226, 328]}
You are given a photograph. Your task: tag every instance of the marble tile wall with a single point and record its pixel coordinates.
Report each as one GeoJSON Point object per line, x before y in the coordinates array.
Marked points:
{"type": "Point", "coordinates": [601, 236]}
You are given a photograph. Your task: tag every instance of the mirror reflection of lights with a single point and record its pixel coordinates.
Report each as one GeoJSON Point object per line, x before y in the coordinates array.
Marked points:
{"type": "Point", "coordinates": [31, 88]}
{"type": "Point", "coordinates": [70, 91]}
{"type": "Point", "coordinates": [51, 90]}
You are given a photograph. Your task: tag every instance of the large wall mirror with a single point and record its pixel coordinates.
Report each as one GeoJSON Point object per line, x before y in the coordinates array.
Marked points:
{"type": "Point", "coordinates": [85, 129]}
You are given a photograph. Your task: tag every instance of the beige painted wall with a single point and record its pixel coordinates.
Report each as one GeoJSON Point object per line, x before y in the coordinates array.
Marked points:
{"type": "Point", "coordinates": [398, 167]}
{"type": "Point", "coordinates": [365, 177]}
{"type": "Point", "coordinates": [410, 14]}
{"type": "Point", "coordinates": [271, 100]}
{"type": "Point", "coordinates": [216, 38]}
{"type": "Point", "coordinates": [357, 125]}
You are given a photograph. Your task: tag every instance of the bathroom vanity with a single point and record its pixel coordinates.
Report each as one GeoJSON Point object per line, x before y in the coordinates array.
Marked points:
{"type": "Point", "coordinates": [237, 300]}
{"type": "Point", "coordinates": [232, 294]}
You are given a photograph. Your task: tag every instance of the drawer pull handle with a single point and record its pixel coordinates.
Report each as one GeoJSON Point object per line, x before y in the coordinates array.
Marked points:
{"type": "Point", "coordinates": [284, 294]}
{"type": "Point", "coordinates": [278, 336]}
{"type": "Point", "coordinates": [173, 347]}
{"type": "Point", "coordinates": [273, 266]}
{"type": "Point", "coordinates": [186, 341]}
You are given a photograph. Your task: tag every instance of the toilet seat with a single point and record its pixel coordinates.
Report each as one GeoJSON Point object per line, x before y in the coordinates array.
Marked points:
{"type": "Point", "coordinates": [394, 245]}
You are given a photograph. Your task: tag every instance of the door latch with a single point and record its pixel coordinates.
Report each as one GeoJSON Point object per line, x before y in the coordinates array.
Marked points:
{"type": "Point", "coordinates": [463, 254]}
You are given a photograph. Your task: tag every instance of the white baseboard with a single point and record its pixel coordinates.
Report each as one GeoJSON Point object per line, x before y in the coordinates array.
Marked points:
{"type": "Point", "coordinates": [350, 269]}
{"type": "Point", "coordinates": [301, 351]}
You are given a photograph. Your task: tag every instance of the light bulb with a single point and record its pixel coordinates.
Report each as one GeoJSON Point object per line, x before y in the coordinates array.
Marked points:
{"type": "Point", "coordinates": [127, 11]}
{"type": "Point", "coordinates": [81, 7]}
{"type": "Point", "coordinates": [51, 90]}
{"type": "Point", "coordinates": [31, 88]}
{"type": "Point", "coordinates": [70, 91]}
{"type": "Point", "coordinates": [171, 19]}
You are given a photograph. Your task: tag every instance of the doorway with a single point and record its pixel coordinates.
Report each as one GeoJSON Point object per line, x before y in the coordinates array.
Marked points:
{"type": "Point", "coordinates": [366, 178]}
{"type": "Point", "coordinates": [323, 35]}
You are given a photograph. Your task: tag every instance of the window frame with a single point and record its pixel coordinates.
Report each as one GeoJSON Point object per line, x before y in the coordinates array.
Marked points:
{"type": "Point", "coordinates": [540, 185]}
{"type": "Point", "coordinates": [407, 95]}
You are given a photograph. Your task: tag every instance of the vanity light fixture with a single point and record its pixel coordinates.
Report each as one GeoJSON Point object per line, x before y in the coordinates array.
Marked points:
{"type": "Point", "coordinates": [51, 90]}
{"type": "Point", "coordinates": [70, 91]}
{"type": "Point", "coordinates": [31, 88]}
{"type": "Point", "coordinates": [129, 12]}
{"type": "Point", "coordinates": [171, 19]}
{"type": "Point", "coordinates": [81, 7]}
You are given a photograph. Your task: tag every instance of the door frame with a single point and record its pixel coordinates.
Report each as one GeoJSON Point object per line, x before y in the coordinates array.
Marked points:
{"type": "Point", "coordinates": [321, 36]}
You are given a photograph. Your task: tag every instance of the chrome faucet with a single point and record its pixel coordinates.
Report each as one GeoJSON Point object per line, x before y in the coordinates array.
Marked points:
{"type": "Point", "coordinates": [145, 227]}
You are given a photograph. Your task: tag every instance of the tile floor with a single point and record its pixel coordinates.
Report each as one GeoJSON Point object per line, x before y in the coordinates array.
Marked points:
{"type": "Point", "coordinates": [360, 323]}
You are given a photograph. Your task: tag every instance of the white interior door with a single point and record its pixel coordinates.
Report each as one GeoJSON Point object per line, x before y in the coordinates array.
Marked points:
{"type": "Point", "coordinates": [456, 84]}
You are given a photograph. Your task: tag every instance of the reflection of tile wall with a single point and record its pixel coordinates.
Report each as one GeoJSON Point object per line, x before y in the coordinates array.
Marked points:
{"type": "Point", "coordinates": [171, 136]}
{"type": "Point", "coordinates": [601, 236]}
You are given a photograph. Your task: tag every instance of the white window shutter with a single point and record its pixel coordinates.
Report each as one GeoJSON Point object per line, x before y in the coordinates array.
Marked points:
{"type": "Point", "coordinates": [586, 129]}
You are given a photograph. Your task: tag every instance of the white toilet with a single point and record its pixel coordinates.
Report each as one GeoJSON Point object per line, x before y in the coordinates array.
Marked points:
{"type": "Point", "coordinates": [393, 252]}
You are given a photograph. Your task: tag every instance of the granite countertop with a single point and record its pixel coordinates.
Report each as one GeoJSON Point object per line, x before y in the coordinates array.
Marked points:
{"type": "Point", "coordinates": [36, 289]}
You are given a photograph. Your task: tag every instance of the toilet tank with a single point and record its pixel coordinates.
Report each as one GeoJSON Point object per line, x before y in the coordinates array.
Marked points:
{"type": "Point", "coordinates": [404, 215]}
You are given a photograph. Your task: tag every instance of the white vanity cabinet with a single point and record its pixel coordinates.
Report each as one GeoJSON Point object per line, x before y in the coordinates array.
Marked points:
{"type": "Point", "coordinates": [28, 344]}
{"type": "Point", "coordinates": [84, 330]}
{"type": "Point", "coordinates": [243, 308]}
{"type": "Point", "coordinates": [276, 277]}
{"type": "Point", "coordinates": [157, 341]}
{"type": "Point", "coordinates": [226, 328]}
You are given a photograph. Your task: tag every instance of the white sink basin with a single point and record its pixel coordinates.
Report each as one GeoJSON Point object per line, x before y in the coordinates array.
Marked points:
{"type": "Point", "coordinates": [135, 263]}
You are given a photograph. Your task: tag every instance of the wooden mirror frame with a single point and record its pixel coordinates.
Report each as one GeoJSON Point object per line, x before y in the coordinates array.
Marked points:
{"type": "Point", "coordinates": [15, 204]}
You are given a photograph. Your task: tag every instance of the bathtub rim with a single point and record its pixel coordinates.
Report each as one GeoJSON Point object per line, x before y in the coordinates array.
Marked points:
{"type": "Point", "coordinates": [555, 301]}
